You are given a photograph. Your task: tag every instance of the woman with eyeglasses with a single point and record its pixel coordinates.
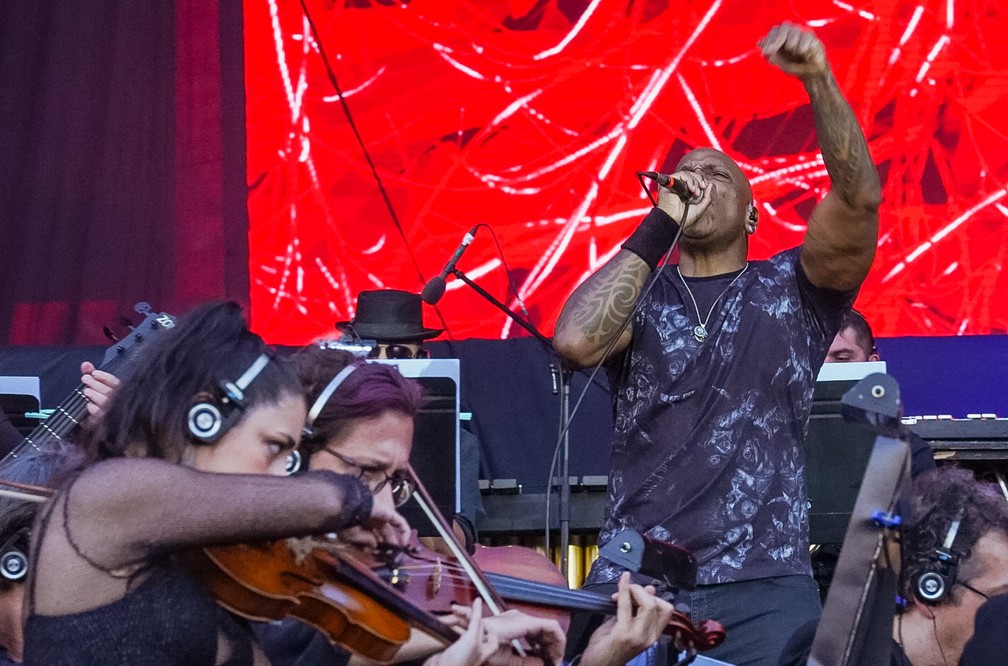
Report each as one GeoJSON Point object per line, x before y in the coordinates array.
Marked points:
{"type": "Point", "coordinates": [189, 454]}
{"type": "Point", "coordinates": [360, 423]}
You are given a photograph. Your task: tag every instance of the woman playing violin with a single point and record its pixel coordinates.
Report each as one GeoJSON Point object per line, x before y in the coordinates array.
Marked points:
{"type": "Point", "coordinates": [364, 427]}
{"type": "Point", "coordinates": [360, 422]}
{"type": "Point", "coordinates": [190, 454]}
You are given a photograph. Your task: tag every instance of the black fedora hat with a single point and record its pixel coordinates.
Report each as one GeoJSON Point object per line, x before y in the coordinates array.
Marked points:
{"type": "Point", "coordinates": [388, 314]}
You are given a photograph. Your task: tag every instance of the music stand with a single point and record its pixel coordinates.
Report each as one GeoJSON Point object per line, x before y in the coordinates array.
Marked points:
{"type": "Point", "coordinates": [18, 397]}
{"type": "Point", "coordinates": [435, 455]}
{"type": "Point", "coordinates": [836, 452]}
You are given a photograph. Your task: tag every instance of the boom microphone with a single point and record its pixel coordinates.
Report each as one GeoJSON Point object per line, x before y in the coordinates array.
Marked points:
{"type": "Point", "coordinates": [668, 182]}
{"type": "Point", "coordinates": [435, 287]}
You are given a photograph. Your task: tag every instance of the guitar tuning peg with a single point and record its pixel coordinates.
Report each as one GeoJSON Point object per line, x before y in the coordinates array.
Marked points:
{"type": "Point", "coordinates": [109, 334]}
{"type": "Point", "coordinates": [143, 308]}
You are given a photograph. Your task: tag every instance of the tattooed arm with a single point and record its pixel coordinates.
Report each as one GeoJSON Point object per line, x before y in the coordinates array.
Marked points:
{"type": "Point", "coordinates": [843, 229]}
{"type": "Point", "coordinates": [596, 310]}
{"type": "Point", "coordinates": [594, 314]}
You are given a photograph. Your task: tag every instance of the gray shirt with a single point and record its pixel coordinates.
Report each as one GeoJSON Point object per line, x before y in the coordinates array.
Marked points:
{"type": "Point", "coordinates": [707, 438]}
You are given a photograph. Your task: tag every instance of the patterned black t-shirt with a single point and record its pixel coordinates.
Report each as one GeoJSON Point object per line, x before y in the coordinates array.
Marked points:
{"type": "Point", "coordinates": [707, 440]}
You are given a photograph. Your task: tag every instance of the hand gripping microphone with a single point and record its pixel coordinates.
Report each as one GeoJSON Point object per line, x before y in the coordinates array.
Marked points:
{"type": "Point", "coordinates": [668, 182]}
{"type": "Point", "coordinates": [435, 287]}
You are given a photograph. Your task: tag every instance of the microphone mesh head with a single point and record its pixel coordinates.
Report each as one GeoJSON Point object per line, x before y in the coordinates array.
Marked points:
{"type": "Point", "coordinates": [433, 290]}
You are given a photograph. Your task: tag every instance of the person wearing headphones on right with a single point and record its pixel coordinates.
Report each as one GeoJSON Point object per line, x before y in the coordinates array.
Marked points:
{"type": "Point", "coordinates": [954, 559]}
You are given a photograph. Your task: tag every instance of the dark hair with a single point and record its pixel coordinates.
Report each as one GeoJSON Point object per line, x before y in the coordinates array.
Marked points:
{"type": "Point", "coordinates": [940, 496]}
{"type": "Point", "coordinates": [856, 321]}
{"type": "Point", "coordinates": [369, 391]}
{"type": "Point", "coordinates": [38, 467]}
{"type": "Point", "coordinates": [211, 345]}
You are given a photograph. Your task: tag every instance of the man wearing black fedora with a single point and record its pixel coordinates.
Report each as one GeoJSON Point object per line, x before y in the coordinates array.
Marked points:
{"type": "Point", "coordinates": [394, 320]}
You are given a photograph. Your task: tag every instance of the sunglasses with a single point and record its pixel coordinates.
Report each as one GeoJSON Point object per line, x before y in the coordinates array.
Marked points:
{"type": "Point", "coordinates": [398, 352]}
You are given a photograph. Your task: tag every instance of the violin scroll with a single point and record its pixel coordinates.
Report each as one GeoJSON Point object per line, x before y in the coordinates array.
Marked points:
{"type": "Point", "coordinates": [705, 635]}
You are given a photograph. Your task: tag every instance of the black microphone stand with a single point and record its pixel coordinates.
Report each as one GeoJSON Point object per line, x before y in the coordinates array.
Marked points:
{"type": "Point", "coordinates": [565, 381]}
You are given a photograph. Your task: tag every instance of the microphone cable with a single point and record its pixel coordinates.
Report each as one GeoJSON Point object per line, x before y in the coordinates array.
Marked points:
{"type": "Point", "coordinates": [331, 74]}
{"type": "Point", "coordinates": [565, 427]}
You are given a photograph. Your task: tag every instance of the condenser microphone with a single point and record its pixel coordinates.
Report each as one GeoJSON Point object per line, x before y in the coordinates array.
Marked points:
{"type": "Point", "coordinates": [668, 182]}
{"type": "Point", "coordinates": [435, 287]}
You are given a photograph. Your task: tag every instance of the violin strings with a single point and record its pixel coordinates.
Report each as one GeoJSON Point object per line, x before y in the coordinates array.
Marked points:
{"type": "Point", "coordinates": [532, 591]}
{"type": "Point", "coordinates": [535, 593]}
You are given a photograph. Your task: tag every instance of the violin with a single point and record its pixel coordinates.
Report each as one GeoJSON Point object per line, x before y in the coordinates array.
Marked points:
{"type": "Point", "coordinates": [301, 578]}
{"type": "Point", "coordinates": [332, 591]}
{"type": "Point", "coordinates": [527, 580]}
{"type": "Point", "coordinates": [435, 583]}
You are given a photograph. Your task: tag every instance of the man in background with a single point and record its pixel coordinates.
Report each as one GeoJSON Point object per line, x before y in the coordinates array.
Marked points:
{"type": "Point", "coordinates": [854, 343]}
{"type": "Point", "coordinates": [954, 547]}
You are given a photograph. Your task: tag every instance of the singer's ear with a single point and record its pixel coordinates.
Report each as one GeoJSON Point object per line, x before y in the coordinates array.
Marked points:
{"type": "Point", "coordinates": [752, 218]}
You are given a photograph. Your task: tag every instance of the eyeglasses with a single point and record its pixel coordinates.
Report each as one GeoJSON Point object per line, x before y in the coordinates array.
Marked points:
{"type": "Point", "coordinates": [972, 589]}
{"type": "Point", "coordinates": [376, 479]}
{"type": "Point", "coordinates": [399, 352]}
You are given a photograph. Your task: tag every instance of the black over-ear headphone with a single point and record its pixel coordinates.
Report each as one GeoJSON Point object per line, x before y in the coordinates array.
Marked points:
{"type": "Point", "coordinates": [294, 460]}
{"type": "Point", "coordinates": [14, 556]}
{"type": "Point", "coordinates": [208, 421]}
{"type": "Point", "coordinates": [935, 583]}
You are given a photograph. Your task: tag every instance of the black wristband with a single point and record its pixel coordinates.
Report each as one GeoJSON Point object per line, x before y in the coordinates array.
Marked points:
{"type": "Point", "coordinates": [468, 531]}
{"type": "Point", "coordinates": [357, 500]}
{"type": "Point", "coordinates": [360, 502]}
{"type": "Point", "coordinates": [653, 237]}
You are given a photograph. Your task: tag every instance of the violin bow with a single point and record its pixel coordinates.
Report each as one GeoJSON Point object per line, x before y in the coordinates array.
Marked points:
{"type": "Point", "coordinates": [486, 591]}
{"type": "Point", "coordinates": [25, 491]}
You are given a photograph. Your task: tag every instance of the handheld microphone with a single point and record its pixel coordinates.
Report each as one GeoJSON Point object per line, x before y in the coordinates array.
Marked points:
{"type": "Point", "coordinates": [668, 182]}
{"type": "Point", "coordinates": [435, 287]}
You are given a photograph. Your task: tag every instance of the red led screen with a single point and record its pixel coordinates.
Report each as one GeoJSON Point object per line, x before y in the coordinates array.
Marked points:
{"type": "Point", "coordinates": [531, 116]}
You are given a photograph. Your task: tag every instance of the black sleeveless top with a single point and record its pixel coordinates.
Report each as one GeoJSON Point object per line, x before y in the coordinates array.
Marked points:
{"type": "Point", "coordinates": [168, 619]}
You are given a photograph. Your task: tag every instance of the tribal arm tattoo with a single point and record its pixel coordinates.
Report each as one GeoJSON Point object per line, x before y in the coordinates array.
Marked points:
{"type": "Point", "coordinates": [595, 313]}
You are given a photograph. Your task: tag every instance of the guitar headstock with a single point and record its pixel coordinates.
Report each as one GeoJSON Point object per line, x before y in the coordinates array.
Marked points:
{"type": "Point", "coordinates": [153, 325]}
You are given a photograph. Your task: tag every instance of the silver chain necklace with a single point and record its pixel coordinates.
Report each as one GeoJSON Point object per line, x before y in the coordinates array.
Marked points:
{"type": "Point", "coordinates": [700, 330]}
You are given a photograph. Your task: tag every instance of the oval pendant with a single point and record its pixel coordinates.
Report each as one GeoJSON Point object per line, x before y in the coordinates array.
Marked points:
{"type": "Point", "coordinates": [700, 333]}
